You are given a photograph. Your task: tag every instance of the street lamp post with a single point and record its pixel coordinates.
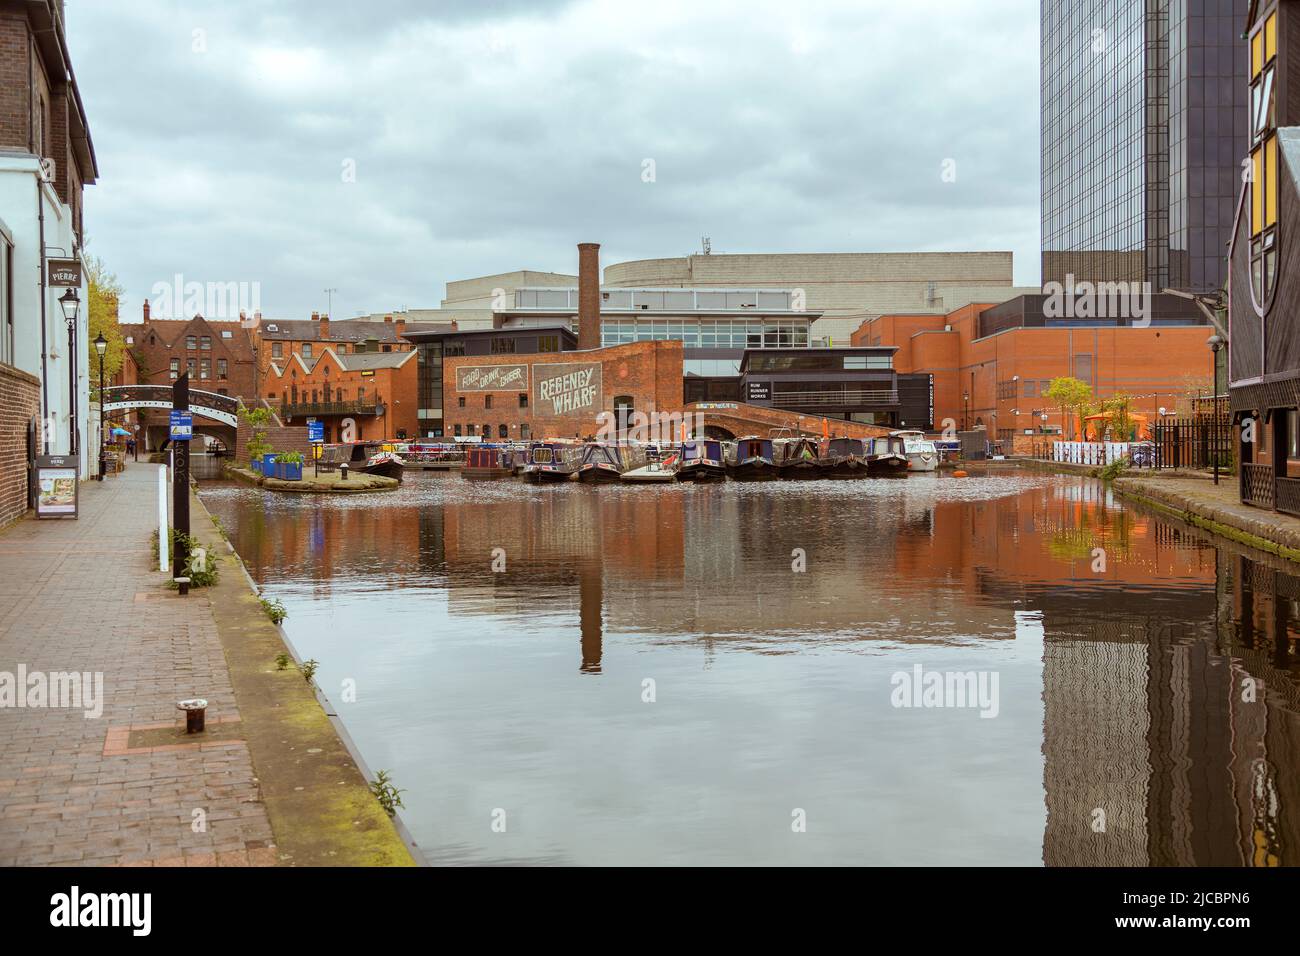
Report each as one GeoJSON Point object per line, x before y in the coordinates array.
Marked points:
{"type": "Point", "coordinates": [70, 304]}
{"type": "Point", "coordinates": [965, 413]}
{"type": "Point", "coordinates": [1215, 342]}
{"type": "Point", "coordinates": [101, 346]}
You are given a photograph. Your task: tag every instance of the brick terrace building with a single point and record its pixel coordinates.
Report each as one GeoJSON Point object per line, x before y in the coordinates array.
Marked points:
{"type": "Point", "coordinates": [559, 394]}
{"type": "Point", "coordinates": [277, 339]}
{"type": "Point", "coordinates": [358, 395]}
{"type": "Point", "coordinates": [217, 354]}
{"type": "Point", "coordinates": [46, 157]}
{"type": "Point", "coordinates": [992, 363]}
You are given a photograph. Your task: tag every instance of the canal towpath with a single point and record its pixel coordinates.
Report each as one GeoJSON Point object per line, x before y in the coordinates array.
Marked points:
{"type": "Point", "coordinates": [114, 780]}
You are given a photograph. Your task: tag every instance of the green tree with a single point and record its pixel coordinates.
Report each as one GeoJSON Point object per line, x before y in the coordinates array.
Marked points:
{"type": "Point", "coordinates": [1119, 414]}
{"type": "Point", "coordinates": [105, 292]}
{"type": "Point", "coordinates": [1070, 395]}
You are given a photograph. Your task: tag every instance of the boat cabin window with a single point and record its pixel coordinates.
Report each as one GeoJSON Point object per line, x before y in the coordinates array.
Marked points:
{"type": "Point", "coordinates": [542, 456]}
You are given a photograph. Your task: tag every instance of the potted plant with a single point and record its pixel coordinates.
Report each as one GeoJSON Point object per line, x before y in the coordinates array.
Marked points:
{"type": "Point", "coordinates": [288, 465]}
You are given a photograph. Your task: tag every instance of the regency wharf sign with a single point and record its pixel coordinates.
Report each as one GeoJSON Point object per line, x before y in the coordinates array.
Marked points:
{"type": "Point", "coordinates": [492, 378]}
{"type": "Point", "coordinates": [566, 389]}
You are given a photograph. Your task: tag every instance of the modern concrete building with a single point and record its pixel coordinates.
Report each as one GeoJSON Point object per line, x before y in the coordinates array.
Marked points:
{"type": "Point", "coordinates": [843, 289]}
{"type": "Point", "coordinates": [1143, 112]}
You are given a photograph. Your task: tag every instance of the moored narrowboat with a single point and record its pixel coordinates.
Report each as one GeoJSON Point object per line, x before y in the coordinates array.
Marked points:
{"type": "Point", "coordinates": [887, 458]}
{"type": "Point", "coordinates": [797, 458]}
{"type": "Point", "coordinates": [551, 462]}
{"type": "Point", "coordinates": [751, 459]}
{"type": "Point", "coordinates": [599, 462]}
{"type": "Point", "coordinates": [843, 458]}
{"type": "Point", "coordinates": [486, 463]}
{"type": "Point", "coordinates": [701, 460]}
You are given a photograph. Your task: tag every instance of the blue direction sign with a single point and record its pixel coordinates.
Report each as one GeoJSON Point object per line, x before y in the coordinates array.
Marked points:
{"type": "Point", "coordinates": [182, 425]}
{"type": "Point", "coordinates": [315, 431]}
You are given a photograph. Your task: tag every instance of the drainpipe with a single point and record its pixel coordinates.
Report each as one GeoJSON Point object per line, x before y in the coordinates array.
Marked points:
{"type": "Point", "coordinates": [45, 372]}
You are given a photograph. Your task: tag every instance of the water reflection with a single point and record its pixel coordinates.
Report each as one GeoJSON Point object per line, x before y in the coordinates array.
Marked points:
{"type": "Point", "coordinates": [1148, 680]}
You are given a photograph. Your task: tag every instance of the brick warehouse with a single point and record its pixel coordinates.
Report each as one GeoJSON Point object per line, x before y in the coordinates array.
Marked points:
{"type": "Point", "coordinates": [559, 394]}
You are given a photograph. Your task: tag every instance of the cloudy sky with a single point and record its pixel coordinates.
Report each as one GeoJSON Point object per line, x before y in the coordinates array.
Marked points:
{"type": "Point", "coordinates": [384, 148]}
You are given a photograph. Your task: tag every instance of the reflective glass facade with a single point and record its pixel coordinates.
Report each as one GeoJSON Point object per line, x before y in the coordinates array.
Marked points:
{"type": "Point", "coordinates": [1143, 112]}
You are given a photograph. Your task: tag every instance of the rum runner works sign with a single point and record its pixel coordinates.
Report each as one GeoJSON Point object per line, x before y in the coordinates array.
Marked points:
{"type": "Point", "coordinates": [566, 389]}
{"type": "Point", "coordinates": [492, 378]}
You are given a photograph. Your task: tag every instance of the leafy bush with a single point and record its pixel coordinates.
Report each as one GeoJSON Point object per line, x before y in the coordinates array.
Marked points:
{"type": "Point", "coordinates": [274, 610]}
{"type": "Point", "coordinates": [1114, 470]}
{"type": "Point", "coordinates": [389, 797]}
{"type": "Point", "coordinates": [201, 574]}
{"type": "Point", "coordinates": [289, 458]}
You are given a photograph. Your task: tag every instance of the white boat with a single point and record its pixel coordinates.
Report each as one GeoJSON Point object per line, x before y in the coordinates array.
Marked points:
{"type": "Point", "coordinates": [922, 454]}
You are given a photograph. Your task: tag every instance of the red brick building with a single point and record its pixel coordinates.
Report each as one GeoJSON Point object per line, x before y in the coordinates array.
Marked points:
{"type": "Point", "coordinates": [275, 340]}
{"type": "Point", "coordinates": [559, 394]}
{"type": "Point", "coordinates": [218, 356]}
{"type": "Point", "coordinates": [359, 395]}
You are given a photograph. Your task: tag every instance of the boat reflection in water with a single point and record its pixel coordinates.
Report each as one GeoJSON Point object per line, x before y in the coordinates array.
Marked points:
{"type": "Point", "coordinates": [643, 677]}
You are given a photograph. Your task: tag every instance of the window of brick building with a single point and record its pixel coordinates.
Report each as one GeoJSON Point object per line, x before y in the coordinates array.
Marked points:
{"type": "Point", "coordinates": [503, 431]}
{"type": "Point", "coordinates": [205, 368]}
{"type": "Point", "coordinates": [205, 342]}
{"type": "Point", "coordinates": [176, 368]}
{"type": "Point", "coordinates": [191, 366]}
{"type": "Point", "coordinates": [277, 350]}
{"type": "Point", "coordinates": [548, 343]}
{"type": "Point", "coordinates": [523, 399]}
{"type": "Point", "coordinates": [191, 342]}
{"type": "Point", "coordinates": [457, 433]}
{"type": "Point", "coordinates": [306, 350]}
{"type": "Point", "coordinates": [221, 368]}
{"type": "Point", "coordinates": [503, 346]}
{"type": "Point", "coordinates": [460, 402]}
{"type": "Point", "coordinates": [487, 401]}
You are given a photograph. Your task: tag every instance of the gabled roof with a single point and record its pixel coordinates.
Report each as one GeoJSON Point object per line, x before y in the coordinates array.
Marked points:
{"type": "Point", "coordinates": [347, 362]}
{"type": "Point", "coordinates": [340, 330]}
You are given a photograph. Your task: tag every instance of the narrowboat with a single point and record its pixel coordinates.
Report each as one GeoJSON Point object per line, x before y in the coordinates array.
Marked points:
{"type": "Point", "coordinates": [843, 458]}
{"type": "Point", "coordinates": [887, 458]}
{"type": "Point", "coordinates": [751, 459]}
{"type": "Point", "coordinates": [550, 462]}
{"type": "Point", "coordinates": [922, 453]}
{"type": "Point", "coordinates": [797, 458]}
{"type": "Point", "coordinates": [599, 462]}
{"type": "Point", "coordinates": [485, 463]}
{"type": "Point", "coordinates": [701, 460]}
{"type": "Point", "coordinates": [367, 457]}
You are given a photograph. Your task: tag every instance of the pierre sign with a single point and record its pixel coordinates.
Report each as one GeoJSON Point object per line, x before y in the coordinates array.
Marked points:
{"type": "Point", "coordinates": [63, 273]}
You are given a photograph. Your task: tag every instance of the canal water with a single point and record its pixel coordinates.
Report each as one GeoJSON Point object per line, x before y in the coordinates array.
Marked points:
{"type": "Point", "coordinates": [1010, 669]}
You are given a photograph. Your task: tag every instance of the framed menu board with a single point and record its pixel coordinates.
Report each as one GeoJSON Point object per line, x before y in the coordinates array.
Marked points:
{"type": "Point", "coordinates": [56, 486]}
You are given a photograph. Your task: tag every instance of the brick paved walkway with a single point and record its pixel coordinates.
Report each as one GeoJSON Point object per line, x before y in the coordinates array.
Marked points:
{"type": "Point", "coordinates": [86, 595]}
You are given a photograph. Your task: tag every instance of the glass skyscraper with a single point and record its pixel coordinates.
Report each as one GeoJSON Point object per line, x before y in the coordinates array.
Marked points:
{"type": "Point", "coordinates": [1144, 112]}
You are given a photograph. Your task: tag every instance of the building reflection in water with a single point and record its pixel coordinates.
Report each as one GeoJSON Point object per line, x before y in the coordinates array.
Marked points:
{"type": "Point", "coordinates": [1154, 750]}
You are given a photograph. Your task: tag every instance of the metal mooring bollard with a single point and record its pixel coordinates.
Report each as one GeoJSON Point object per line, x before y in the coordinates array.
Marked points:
{"type": "Point", "coordinates": [344, 469]}
{"type": "Point", "coordinates": [195, 713]}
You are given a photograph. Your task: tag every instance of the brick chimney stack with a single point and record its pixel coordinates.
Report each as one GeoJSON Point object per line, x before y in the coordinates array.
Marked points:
{"type": "Point", "coordinates": [146, 310]}
{"type": "Point", "coordinates": [400, 326]}
{"type": "Point", "coordinates": [324, 326]}
{"type": "Point", "coordinates": [588, 295]}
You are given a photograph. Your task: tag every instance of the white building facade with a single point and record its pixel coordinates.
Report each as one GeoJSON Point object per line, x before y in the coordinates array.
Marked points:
{"type": "Point", "coordinates": [46, 158]}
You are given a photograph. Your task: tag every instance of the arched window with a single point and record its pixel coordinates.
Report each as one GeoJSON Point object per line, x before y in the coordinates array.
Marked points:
{"type": "Point", "coordinates": [503, 431]}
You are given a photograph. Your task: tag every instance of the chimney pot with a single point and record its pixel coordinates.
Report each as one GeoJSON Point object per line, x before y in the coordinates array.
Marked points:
{"type": "Point", "coordinates": [588, 295]}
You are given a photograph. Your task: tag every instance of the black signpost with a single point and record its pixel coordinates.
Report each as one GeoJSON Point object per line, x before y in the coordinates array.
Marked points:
{"type": "Point", "coordinates": [181, 486]}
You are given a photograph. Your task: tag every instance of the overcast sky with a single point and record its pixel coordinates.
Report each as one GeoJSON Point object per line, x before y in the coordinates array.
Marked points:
{"type": "Point", "coordinates": [492, 135]}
